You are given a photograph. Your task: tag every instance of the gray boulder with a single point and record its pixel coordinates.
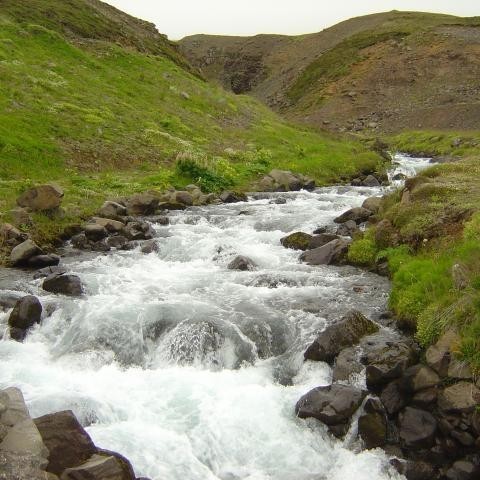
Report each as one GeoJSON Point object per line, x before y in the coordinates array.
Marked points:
{"type": "Point", "coordinates": [462, 397]}
{"type": "Point", "coordinates": [185, 198]}
{"type": "Point", "coordinates": [357, 214]}
{"type": "Point", "coordinates": [347, 229]}
{"type": "Point", "coordinates": [371, 181]}
{"type": "Point", "coordinates": [112, 210]}
{"type": "Point", "coordinates": [333, 405]}
{"type": "Point", "coordinates": [417, 428]}
{"type": "Point", "coordinates": [23, 252]}
{"type": "Point", "coordinates": [26, 313]}
{"type": "Point", "coordinates": [242, 263]}
{"type": "Point", "coordinates": [112, 226]}
{"type": "Point", "coordinates": [419, 377]}
{"type": "Point", "coordinates": [138, 231]}
{"type": "Point", "coordinates": [336, 337]}
{"type": "Point", "coordinates": [41, 198]}
{"type": "Point", "coordinates": [372, 204]}
{"type": "Point", "coordinates": [233, 197]}
{"type": "Point", "coordinates": [97, 467]}
{"type": "Point", "coordinates": [43, 261]}
{"type": "Point", "coordinates": [332, 253]}
{"type": "Point", "coordinates": [372, 424]}
{"type": "Point", "coordinates": [64, 284]}
{"type": "Point", "coordinates": [321, 240]}
{"type": "Point", "coordinates": [297, 241]}
{"type": "Point", "coordinates": [141, 204]}
{"type": "Point", "coordinates": [95, 232]}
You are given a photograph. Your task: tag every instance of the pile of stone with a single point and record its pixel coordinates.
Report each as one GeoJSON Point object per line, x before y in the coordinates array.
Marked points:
{"type": "Point", "coordinates": [426, 414]}
{"type": "Point", "coordinates": [285, 181]}
{"type": "Point", "coordinates": [52, 447]}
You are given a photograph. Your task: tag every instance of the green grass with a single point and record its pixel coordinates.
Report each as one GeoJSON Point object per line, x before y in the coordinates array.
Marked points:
{"type": "Point", "coordinates": [437, 229]}
{"type": "Point", "coordinates": [107, 119]}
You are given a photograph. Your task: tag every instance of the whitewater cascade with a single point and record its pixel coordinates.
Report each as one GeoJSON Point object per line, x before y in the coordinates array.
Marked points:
{"type": "Point", "coordinates": [191, 370]}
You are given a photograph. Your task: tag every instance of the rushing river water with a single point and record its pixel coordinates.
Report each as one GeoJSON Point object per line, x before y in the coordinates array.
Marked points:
{"type": "Point", "coordinates": [191, 370]}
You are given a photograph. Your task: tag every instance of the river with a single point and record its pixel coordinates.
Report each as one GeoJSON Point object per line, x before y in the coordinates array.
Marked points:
{"type": "Point", "coordinates": [191, 370]}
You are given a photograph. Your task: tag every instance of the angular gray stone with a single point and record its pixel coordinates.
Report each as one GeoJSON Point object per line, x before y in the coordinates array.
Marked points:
{"type": "Point", "coordinates": [329, 254]}
{"type": "Point", "coordinates": [43, 261]}
{"type": "Point", "coordinates": [372, 204]}
{"type": "Point", "coordinates": [417, 428]}
{"type": "Point", "coordinates": [419, 377]}
{"type": "Point", "coordinates": [41, 197]}
{"type": "Point", "coordinates": [112, 210]}
{"type": "Point", "coordinates": [347, 229]}
{"type": "Point", "coordinates": [24, 251]}
{"type": "Point", "coordinates": [463, 397]}
{"type": "Point", "coordinates": [371, 181]}
{"type": "Point", "coordinates": [98, 467]}
{"type": "Point", "coordinates": [112, 226]}
{"type": "Point", "coordinates": [321, 240]}
{"type": "Point", "coordinates": [26, 313]}
{"type": "Point", "coordinates": [438, 355]}
{"type": "Point", "coordinates": [16, 410]}
{"type": "Point", "coordinates": [232, 197]}
{"type": "Point", "coordinates": [185, 198]}
{"type": "Point", "coordinates": [357, 214]}
{"type": "Point", "coordinates": [297, 241]}
{"type": "Point", "coordinates": [372, 424]}
{"type": "Point", "coordinates": [338, 336]}
{"type": "Point", "coordinates": [393, 398]}
{"type": "Point", "coordinates": [95, 232]}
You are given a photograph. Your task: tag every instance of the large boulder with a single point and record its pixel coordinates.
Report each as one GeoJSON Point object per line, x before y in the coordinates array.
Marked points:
{"type": "Point", "coordinates": [112, 226]}
{"type": "Point", "coordinates": [112, 210]}
{"type": "Point", "coordinates": [438, 355]}
{"type": "Point", "coordinates": [372, 204]}
{"type": "Point", "coordinates": [321, 240]}
{"type": "Point", "coordinates": [286, 179]}
{"type": "Point", "coordinates": [332, 253]}
{"type": "Point", "coordinates": [347, 229]}
{"type": "Point", "coordinates": [357, 214]}
{"type": "Point", "coordinates": [43, 261]}
{"type": "Point", "coordinates": [347, 364]}
{"type": "Point", "coordinates": [138, 231]}
{"type": "Point", "coordinates": [393, 397]}
{"type": "Point", "coordinates": [95, 232]}
{"type": "Point", "coordinates": [387, 361]}
{"type": "Point", "coordinates": [26, 313]}
{"type": "Point", "coordinates": [370, 181]}
{"type": "Point", "coordinates": [141, 204]}
{"type": "Point", "coordinates": [336, 337]}
{"type": "Point", "coordinates": [333, 405]}
{"type": "Point", "coordinates": [41, 198]}
{"type": "Point", "coordinates": [417, 428]}
{"type": "Point", "coordinates": [23, 252]}
{"type": "Point", "coordinates": [297, 241]}
{"type": "Point", "coordinates": [184, 198]}
{"type": "Point", "coordinates": [68, 443]}
{"type": "Point", "coordinates": [64, 284]}
{"type": "Point", "coordinates": [419, 377]}
{"type": "Point", "coordinates": [462, 397]}
{"type": "Point", "coordinates": [242, 263]}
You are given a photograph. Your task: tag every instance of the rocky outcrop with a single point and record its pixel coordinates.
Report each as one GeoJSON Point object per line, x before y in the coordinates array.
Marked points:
{"type": "Point", "coordinates": [339, 336]}
{"type": "Point", "coordinates": [285, 181]}
{"type": "Point", "coordinates": [51, 447]}
{"type": "Point", "coordinates": [64, 284]}
{"type": "Point", "coordinates": [332, 253]}
{"type": "Point", "coordinates": [41, 198]}
{"type": "Point", "coordinates": [26, 313]}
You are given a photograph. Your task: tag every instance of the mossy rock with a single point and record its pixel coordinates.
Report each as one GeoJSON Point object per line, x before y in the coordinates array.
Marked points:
{"type": "Point", "coordinates": [297, 241]}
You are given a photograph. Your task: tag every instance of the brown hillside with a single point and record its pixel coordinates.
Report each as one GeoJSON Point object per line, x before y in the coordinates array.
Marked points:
{"type": "Point", "coordinates": [384, 72]}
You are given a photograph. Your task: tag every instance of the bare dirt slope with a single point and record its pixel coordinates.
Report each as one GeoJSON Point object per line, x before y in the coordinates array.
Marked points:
{"type": "Point", "coordinates": [384, 72]}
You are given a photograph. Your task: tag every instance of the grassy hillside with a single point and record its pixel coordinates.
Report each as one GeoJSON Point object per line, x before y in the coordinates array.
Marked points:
{"type": "Point", "coordinates": [431, 240]}
{"type": "Point", "coordinates": [105, 118]}
{"type": "Point", "coordinates": [386, 72]}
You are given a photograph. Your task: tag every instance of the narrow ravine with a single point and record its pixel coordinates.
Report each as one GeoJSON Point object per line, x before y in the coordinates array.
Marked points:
{"type": "Point", "coordinates": [192, 370]}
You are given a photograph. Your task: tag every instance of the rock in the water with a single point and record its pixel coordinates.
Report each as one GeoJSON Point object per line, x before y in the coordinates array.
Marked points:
{"type": "Point", "coordinates": [332, 253]}
{"type": "Point", "coordinates": [80, 241]}
{"type": "Point", "coordinates": [357, 214]}
{"type": "Point", "coordinates": [142, 204]}
{"type": "Point", "coordinates": [347, 229]}
{"type": "Point", "coordinates": [340, 335]}
{"type": "Point", "coordinates": [68, 443]}
{"type": "Point", "coordinates": [23, 252]}
{"type": "Point", "coordinates": [112, 210]}
{"type": "Point", "coordinates": [333, 405]}
{"type": "Point", "coordinates": [149, 246]}
{"type": "Point", "coordinates": [371, 181]}
{"type": "Point", "coordinates": [321, 240]}
{"type": "Point", "coordinates": [463, 397]}
{"type": "Point", "coordinates": [26, 313]}
{"type": "Point", "coordinates": [372, 425]}
{"type": "Point", "coordinates": [372, 204]}
{"type": "Point", "coordinates": [138, 231]}
{"type": "Point", "coordinates": [118, 241]}
{"type": "Point", "coordinates": [111, 226]}
{"type": "Point", "coordinates": [393, 398]}
{"type": "Point", "coordinates": [233, 197]}
{"type": "Point", "coordinates": [297, 241]}
{"type": "Point", "coordinates": [45, 272]}
{"type": "Point", "coordinates": [417, 428]}
{"type": "Point", "coordinates": [242, 263]}
{"type": "Point", "coordinates": [43, 261]}
{"type": "Point", "coordinates": [41, 198]}
{"type": "Point", "coordinates": [347, 363]}
{"type": "Point", "coordinates": [414, 470]}
{"type": "Point", "coordinates": [63, 284]}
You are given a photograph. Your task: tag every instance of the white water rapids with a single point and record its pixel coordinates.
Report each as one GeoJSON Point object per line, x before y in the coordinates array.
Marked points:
{"type": "Point", "coordinates": [191, 370]}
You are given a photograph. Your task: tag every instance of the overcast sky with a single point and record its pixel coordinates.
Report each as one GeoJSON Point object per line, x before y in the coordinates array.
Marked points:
{"type": "Point", "coordinates": [178, 18]}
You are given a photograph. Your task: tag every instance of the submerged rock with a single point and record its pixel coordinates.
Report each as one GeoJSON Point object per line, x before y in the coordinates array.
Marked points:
{"type": "Point", "coordinates": [340, 335]}
{"type": "Point", "coordinates": [64, 284]}
{"type": "Point", "coordinates": [242, 263]}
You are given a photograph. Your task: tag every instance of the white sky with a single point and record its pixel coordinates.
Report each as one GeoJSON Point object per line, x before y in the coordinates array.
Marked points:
{"type": "Point", "coordinates": [178, 18]}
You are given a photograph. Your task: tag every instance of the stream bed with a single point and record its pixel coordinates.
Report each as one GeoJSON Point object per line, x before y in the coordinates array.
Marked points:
{"type": "Point", "coordinates": [191, 370]}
